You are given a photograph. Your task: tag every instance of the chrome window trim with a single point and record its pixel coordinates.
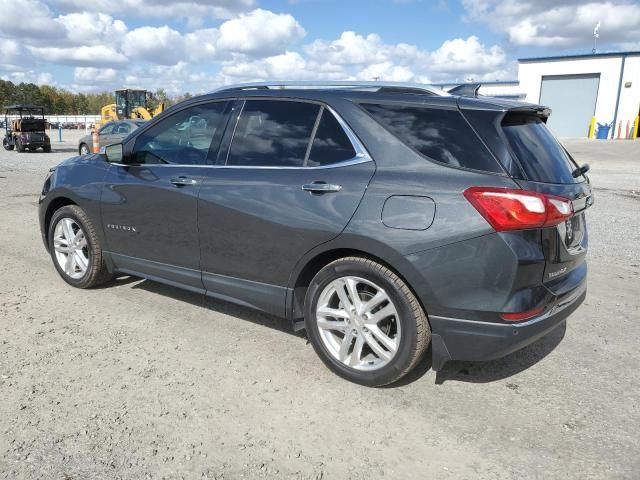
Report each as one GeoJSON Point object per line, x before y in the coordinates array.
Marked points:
{"type": "Point", "coordinates": [362, 155]}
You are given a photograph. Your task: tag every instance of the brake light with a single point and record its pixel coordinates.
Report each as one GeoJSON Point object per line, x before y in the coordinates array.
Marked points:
{"type": "Point", "coordinates": [519, 316]}
{"type": "Point", "coordinates": [512, 209]}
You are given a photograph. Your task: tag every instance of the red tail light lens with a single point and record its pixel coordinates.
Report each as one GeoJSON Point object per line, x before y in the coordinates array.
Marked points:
{"type": "Point", "coordinates": [512, 209]}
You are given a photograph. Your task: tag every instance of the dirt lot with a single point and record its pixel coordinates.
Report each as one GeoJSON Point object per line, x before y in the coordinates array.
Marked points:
{"type": "Point", "coordinates": [138, 380]}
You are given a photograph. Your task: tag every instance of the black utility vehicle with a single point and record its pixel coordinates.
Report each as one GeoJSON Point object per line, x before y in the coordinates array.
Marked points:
{"type": "Point", "coordinates": [381, 217]}
{"type": "Point", "coordinates": [25, 128]}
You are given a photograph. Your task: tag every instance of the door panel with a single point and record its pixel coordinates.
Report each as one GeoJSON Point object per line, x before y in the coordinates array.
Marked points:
{"type": "Point", "coordinates": [149, 206]}
{"type": "Point", "coordinates": [255, 224]}
{"type": "Point", "coordinates": [147, 217]}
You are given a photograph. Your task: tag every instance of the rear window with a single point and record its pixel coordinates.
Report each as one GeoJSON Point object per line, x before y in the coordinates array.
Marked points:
{"type": "Point", "coordinates": [540, 155]}
{"type": "Point", "coordinates": [441, 135]}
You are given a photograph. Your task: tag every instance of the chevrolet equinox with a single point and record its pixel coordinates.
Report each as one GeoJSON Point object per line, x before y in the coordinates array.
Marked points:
{"type": "Point", "coordinates": [382, 218]}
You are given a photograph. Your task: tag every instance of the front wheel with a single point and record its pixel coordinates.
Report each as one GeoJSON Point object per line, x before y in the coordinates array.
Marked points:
{"type": "Point", "coordinates": [84, 149]}
{"type": "Point", "coordinates": [364, 322]}
{"type": "Point", "coordinates": [75, 248]}
{"type": "Point", "coordinates": [19, 146]}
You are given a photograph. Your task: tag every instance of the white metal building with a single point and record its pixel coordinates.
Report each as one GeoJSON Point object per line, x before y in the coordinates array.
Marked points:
{"type": "Point", "coordinates": [578, 87]}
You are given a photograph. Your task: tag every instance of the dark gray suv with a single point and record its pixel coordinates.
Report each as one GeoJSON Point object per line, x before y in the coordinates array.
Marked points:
{"type": "Point", "coordinates": [382, 218]}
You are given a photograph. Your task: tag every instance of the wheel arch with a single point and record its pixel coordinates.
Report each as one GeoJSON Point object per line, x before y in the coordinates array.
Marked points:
{"type": "Point", "coordinates": [315, 260]}
{"type": "Point", "coordinates": [54, 205]}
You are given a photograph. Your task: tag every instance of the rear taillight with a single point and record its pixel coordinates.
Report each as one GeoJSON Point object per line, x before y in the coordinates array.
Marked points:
{"type": "Point", "coordinates": [512, 209]}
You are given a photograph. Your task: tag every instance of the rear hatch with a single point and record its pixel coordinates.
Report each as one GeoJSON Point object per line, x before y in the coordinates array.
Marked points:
{"type": "Point", "coordinates": [548, 168]}
{"type": "Point", "coordinates": [518, 136]}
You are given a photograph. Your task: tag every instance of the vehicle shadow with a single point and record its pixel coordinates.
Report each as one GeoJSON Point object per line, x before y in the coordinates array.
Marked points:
{"type": "Point", "coordinates": [471, 372]}
{"type": "Point", "coordinates": [499, 369]}
{"type": "Point", "coordinates": [215, 305]}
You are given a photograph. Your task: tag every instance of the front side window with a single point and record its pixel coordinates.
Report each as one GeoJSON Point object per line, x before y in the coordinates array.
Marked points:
{"type": "Point", "coordinates": [273, 133]}
{"type": "Point", "coordinates": [182, 138]}
{"type": "Point", "coordinates": [442, 135]}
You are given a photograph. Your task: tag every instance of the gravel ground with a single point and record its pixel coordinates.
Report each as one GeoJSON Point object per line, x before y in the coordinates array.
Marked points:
{"type": "Point", "coordinates": [139, 380]}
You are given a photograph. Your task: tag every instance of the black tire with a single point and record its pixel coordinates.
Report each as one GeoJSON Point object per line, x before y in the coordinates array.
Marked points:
{"type": "Point", "coordinates": [6, 145]}
{"type": "Point", "coordinates": [19, 146]}
{"type": "Point", "coordinates": [416, 333]}
{"type": "Point", "coordinates": [85, 146]}
{"type": "Point", "coordinates": [46, 149]}
{"type": "Point", "coordinates": [96, 273]}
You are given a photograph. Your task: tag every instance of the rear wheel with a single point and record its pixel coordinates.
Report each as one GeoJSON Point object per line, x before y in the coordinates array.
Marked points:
{"type": "Point", "coordinates": [7, 146]}
{"type": "Point", "coordinates": [364, 322]}
{"type": "Point", "coordinates": [46, 149]}
{"type": "Point", "coordinates": [75, 248]}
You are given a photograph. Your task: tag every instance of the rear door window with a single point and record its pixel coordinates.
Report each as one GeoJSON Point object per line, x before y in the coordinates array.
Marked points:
{"type": "Point", "coordinates": [439, 134]}
{"type": "Point", "coordinates": [540, 155]}
{"type": "Point", "coordinates": [273, 133]}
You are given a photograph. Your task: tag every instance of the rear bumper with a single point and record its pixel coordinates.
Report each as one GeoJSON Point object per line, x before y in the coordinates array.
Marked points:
{"type": "Point", "coordinates": [456, 339]}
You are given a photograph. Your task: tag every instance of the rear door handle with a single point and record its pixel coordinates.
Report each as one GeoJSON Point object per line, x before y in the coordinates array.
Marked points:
{"type": "Point", "coordinates": [183, 181]}
{"type": "Point", "coordinates": [321, 187]}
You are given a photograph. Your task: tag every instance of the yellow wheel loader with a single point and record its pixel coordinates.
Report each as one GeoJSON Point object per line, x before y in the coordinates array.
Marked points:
{"type": "Point", "coordinates": [130, 104]}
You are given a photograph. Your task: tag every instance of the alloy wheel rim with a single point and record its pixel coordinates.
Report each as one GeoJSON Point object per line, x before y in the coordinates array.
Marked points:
{"type": "Point", "coordinates": [71, 248]}
{"type": "Point", "coordinates": [84, 150]}
{"type": "Point", "coordinates": [358, 323]}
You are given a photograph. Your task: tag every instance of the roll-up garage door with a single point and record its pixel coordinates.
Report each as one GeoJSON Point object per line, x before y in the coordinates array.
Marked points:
{"type": "Point", "coordinates": [572, 99]}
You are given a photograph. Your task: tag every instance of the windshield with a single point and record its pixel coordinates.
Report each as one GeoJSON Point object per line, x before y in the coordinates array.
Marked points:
{"type": "Point", "coordinates": [541, 156]}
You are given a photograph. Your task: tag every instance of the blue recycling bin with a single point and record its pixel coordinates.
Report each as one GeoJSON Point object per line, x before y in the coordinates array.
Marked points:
{"type": "Point", "coordinates": [603, 131]}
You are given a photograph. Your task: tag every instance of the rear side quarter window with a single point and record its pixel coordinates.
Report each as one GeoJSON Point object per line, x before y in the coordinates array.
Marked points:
{"type": "Point", "coordinates": [441, 135]}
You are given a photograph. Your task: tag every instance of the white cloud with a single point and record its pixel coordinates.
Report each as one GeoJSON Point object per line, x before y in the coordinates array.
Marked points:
{"type": "Point", "coordinates": [190, 9]}
{"type": "Point", "coordinates": [98, 55]}
{"type": "Point", "coordinates": [92, 28]}
{"type": "Point", "coordinates": [30, 19]}
{"type": "Point", "coordinates": [161, 45]}
{"type": "Point", "coordinates": [259, 32]}
{"type": "Point", "coordinates": [93, 76]}
{"type": "Point", "coordinates": [466, 56]}
{"type": "Point", "coordinates": [558, 23]}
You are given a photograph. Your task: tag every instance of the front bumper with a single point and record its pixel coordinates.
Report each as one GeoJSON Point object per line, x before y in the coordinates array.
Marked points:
{"type": "Point", "coordinates": [456, 339]}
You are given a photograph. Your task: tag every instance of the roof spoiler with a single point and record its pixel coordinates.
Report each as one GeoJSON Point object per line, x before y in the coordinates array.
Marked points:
{"type": "Point", "coordinates": [466, 90]}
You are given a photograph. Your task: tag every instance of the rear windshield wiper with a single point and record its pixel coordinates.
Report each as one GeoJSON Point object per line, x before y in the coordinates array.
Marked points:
{"type": "Point", "coordinates": [580, 170]}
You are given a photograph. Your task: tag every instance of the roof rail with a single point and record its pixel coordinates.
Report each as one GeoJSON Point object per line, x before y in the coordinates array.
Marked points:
{"type": "Point", "coordinates": [395, 87]}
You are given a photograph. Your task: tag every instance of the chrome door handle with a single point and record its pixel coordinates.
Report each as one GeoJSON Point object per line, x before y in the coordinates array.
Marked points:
{"type": "Point", "coordinates": [320, 187]}
{"type": "Point", "coordinates": [183, 181]}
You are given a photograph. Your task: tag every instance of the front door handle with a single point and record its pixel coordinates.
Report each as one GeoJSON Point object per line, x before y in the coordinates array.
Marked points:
{"type": "Point", "coordinates": [183, 181]}
{"type": "Point", "coordinates": [321, 187]}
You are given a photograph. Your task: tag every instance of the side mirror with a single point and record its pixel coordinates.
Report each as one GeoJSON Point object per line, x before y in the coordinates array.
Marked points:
{"type": "Point", "coordinates": [114, 153]}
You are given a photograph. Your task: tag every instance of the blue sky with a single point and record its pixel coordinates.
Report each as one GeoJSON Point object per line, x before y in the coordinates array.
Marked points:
{"type": "Point", "coordinates": [196, 45]}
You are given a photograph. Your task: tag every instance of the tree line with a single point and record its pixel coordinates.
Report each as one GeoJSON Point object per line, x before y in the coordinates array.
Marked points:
{"type": "Point", "coordinates": [63, 102]}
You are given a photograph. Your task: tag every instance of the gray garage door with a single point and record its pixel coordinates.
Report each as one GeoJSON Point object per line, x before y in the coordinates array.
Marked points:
{"type": "Point", "coordinates": [573, 101]}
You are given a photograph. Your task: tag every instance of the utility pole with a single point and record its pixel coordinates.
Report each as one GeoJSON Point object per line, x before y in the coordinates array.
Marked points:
{"type": "Point", "coordinates": [595, 38]}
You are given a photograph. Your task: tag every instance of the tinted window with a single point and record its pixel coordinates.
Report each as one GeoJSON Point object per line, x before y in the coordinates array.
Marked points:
{"type": "Point", "coordinates": [273, 133]}
{"type": "Point", "coordinates": [123, 129]}
{"type": "Point", "coordinates": [330, 144]}
{"type": "Point", "coordinates": [541, 156]}
{"type": "Point", "coordinates": [107, 129]}
{"type": "Point", "coordinates": [442, 135]}
{"type": "Point", "coordinates": [182, 138]}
